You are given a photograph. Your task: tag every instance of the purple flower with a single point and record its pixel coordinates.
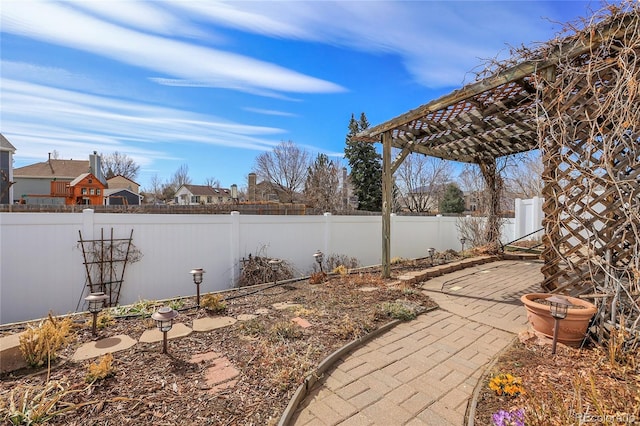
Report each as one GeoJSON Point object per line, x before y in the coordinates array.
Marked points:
{"type": "Point", "coordinates": [509, 418]}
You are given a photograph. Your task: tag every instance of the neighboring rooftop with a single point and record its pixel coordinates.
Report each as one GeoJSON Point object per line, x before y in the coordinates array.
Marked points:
{"type": "Point", "coordinates": [69, 169]}
{"type": "Point", "coordinates": [5, 145]}
{"type": "Point", "coordinates": [206, 190]}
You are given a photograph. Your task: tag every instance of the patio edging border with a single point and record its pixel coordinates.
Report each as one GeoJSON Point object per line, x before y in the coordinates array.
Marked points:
{"type": "Point", "coordinates": [311, 379]}
{"type": "Point", "coordinates": [470, 412]}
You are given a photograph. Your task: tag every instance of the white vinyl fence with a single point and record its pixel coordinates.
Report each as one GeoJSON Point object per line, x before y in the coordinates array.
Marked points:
{"type": "Point", "coordinates": [41, 261]}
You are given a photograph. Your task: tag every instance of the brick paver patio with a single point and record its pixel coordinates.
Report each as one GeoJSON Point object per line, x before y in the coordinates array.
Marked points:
{"type": "Point", "coordinates": [423, 372]}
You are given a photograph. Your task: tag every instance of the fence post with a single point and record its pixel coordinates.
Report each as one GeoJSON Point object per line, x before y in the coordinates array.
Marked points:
{"type": "Point", "coordinates": [520, 225]}
{"type": "Point", "coordinates": [537, 214]}
{"type": "Point", "coordinates": [327, 233]}
{"type": "Point", "coordinates": [234, 247]}
{"type": "Point", "coordinates": [88, 221]}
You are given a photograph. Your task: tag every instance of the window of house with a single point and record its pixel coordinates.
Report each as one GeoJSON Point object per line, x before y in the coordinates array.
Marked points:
{"type": "Point", "coordinates": [92, 191]}
{"type": "Point", "coordinates": [209, 199]}
{"type": "Point", "coordinates": [84, 191]}
{"type": "Point", "coordinates": [98, 191]}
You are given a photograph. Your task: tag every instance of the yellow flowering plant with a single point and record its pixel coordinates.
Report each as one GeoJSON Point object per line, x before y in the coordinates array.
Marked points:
{"type": "Point", "coordinates": [506, 384]}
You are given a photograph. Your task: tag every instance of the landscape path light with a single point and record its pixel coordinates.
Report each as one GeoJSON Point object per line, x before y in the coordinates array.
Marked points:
{"type": "Point", "coordinates": [462, 241]}
{"type": "Point", "coordinates": [559, 305]}
{"type": "Point", "coordinates": [96, 303]}
{"type": "Point", "coordinates": [164, 321]}
{"type": "Point", "coordinates": [274, 263]}
{"type": "Point", "coordinates": [197, 279]}
{"type": "Point", "coordinates": [319, 256]}
{"type": "Point", "coordinates": [431, 252]}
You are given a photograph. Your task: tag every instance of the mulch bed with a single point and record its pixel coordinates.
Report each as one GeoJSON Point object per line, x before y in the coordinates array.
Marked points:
{"type": "Point", "coordinates": [271, 353]}
{"type": "Point", "coordinates": [572, 387]}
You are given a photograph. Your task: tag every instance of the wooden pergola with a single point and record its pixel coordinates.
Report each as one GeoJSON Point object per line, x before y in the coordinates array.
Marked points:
{"type": "Point", "coordinates": [551, 100]}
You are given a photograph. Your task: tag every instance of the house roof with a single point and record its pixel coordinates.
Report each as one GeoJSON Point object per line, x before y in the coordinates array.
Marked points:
{"type": "Point", "coordinates": [112, 191]}
{"type": "Point", "coordinates": [82, 177]}
{"type": "Point", "coordinates": [68, 169]}
{"type": "Point", "coordinates": [207, 190]}
{"type": "Point", "coordinates": [123, 177]}
{"type": "Point", "coordinates": [5, 145]}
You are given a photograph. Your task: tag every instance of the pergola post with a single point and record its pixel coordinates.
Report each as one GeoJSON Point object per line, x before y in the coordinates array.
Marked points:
{"type": "Point", "coordinates": [492, 180]}
{"type": "Point", "coordinates": [386, 204]}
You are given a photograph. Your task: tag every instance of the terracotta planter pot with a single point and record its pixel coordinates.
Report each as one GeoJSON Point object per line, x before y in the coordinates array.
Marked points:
{"type": "Point", "coordinates": [572, 329]}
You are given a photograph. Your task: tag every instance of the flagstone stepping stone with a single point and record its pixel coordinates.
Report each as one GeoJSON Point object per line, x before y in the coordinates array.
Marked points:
{"type": "Point", "coordinates": [155, 335]}
{"type": "Point", "coordinates": [103, 346]}
{"type": "Point", "coordinates": [262, 311]}
{"type": "Point", "coordinates": [203, 357]}
{"type": "Point", "coordinates": [301, 322]}
{"type": "Point", "coordinates": [285, 305]}
{"type": "Point", "coordinates": [221, 373]}
{"type": "Point", "coordinates": [222, 386]}
{"type": "Point", "coordinates": [11, 358]}
{"type": "Point", "coordinates": [246, 317]}
{"type": "Point", "coordinates": [368, 289]}
{"type": "Point", "coordinates": [211, 323]}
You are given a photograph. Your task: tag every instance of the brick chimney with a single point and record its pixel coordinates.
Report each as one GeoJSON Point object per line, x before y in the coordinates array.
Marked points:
{"type": "Point", "coordinates": [251, 191]}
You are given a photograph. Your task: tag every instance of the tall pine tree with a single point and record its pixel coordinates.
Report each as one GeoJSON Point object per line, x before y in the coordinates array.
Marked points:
{"type": "Point", "coordinates": [366, 167]}
{"type": "Point", "coordinates": [453, 200]}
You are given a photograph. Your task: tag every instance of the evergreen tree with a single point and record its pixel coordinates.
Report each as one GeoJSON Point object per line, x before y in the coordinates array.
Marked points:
{"type": "Point", "coordinates": [366, 167]}
{"type": "Point", "coordinates": [453, 200]}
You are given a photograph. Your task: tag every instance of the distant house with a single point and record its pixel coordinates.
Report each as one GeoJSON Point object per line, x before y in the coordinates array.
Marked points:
{"type": "Point", "coordinates": [121, 182]}
{"type": "Point", "coordinates": [122, 191]}
{"type": "Point", "coordinates": [264, 191]}
{"type": "Point", "coordinates": [47, 181]}
{"type": "Point", "coordinates": [86, 189]}
{"type": "Point", "coordinates": [6, 170]}
{"type": "Point", "coordinates": [202, 194]}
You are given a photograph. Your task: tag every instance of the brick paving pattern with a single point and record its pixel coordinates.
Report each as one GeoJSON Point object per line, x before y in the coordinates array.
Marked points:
{"type": "Point", "coordinates": [423, 372]}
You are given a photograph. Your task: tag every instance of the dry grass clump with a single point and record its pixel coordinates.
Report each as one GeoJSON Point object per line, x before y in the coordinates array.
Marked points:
{"type": "Point", "coordinates": [36, 404]}
{"type": "Point", "coordinates": [39, 345]}
{"type": "Point", "coordinates": [101, 369]}
{"type": "Point", "coordinates": [284, 330]}
{"type": "Point", "coordinates": [347, 328]}
{"type": "Point", "coordinates": [104, 320]}
{"type": "Point", "coordinates": [317, 278]}
{"type": "Point", "coordinates": [213, 303]}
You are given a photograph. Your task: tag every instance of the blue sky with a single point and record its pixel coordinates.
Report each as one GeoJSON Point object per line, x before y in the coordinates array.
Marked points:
{"type": "Point", "coordinates": [214, 84]}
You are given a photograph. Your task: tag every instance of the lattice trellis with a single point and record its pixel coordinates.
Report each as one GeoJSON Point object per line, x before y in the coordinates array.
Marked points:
{"type": "Point", "coordinates": [590, 135]}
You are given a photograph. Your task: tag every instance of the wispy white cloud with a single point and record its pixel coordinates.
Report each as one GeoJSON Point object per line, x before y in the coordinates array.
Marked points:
{"type": "Point", "coordinates": [63, 25]}
{"type": "Point", "coordinates": [425, 34]}
{"type": "Point", "coordinates": [79, 123]}
{"type": "Point", "coordinates": [146, 16]}
{"type": "Point", "coordinates": [270, 112]}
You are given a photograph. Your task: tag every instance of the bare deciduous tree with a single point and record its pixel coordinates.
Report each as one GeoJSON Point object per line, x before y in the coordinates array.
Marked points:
{"type": "Point", "coordinates": [155, 188]}
{"type": "Point", "coordinates": [181, 177]}
{"type": "Point", "coordinates": [523, 176]}
{"type": "Point", "coordinates": [322, 187]}
{"type": "Point", "coordinates": [119, 164]}
{"type": "Point", "coordinates": [422, 180]}
{"type": "Point", "coordinates": [285, 168]}
{"type": "Point", "coordinates": [212, 182]}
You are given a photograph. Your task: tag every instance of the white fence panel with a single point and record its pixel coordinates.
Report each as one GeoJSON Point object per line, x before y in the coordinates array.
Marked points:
{"type": "Point", "coordinates": [529, 217]}
{"type": "Point", "coordinates": [41, 262]}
